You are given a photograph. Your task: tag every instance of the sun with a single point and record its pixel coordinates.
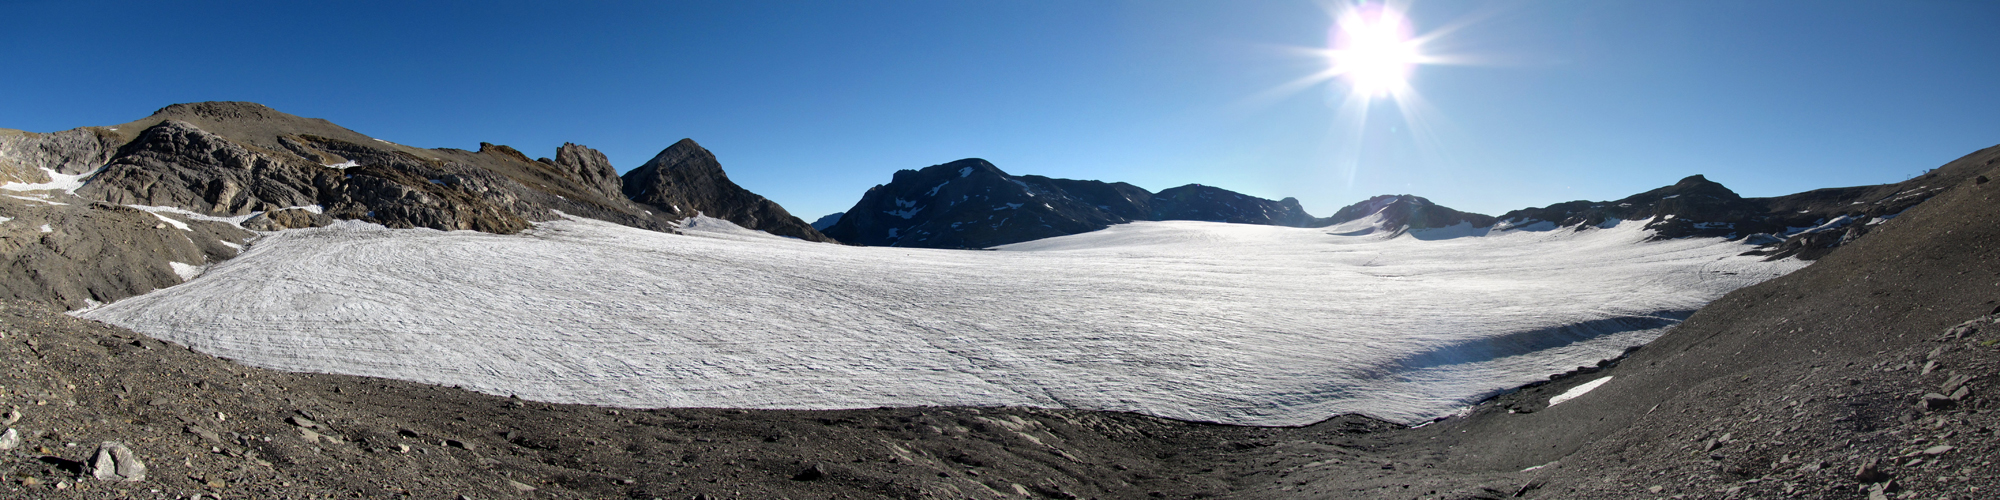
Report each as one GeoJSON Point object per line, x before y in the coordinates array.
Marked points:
{"type": "Point", "coordinates": [1373, 50]}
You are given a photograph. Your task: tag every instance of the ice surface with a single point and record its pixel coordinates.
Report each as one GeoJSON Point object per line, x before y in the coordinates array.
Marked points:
{"type": "Point", "coordinates": [1233, 323]}
{"type": "Point", "coordinates": [1573, 392]}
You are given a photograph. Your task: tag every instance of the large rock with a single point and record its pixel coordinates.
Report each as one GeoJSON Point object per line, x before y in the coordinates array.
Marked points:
{"type": "Point", "coordinates": [590, 168]}
{"type": "Point", "coordinates": [685, 180]}
{"type": "Point", "coordinates": [116, 462]}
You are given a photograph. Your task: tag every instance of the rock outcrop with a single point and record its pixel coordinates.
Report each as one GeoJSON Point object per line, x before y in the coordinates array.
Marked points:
{"type": "Point", "coordinates": [175, 164]}
{"type": "Point", "coordinates": [685, 179]}
{"type": "Point", "coordinates": [590, 169]}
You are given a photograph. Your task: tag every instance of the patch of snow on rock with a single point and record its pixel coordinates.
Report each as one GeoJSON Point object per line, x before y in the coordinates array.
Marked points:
{"type": "Point", "coordinates": [186, 271]}
{"type": "Point", "coordinates": [182, 225]}
{"type": "Point", "coordinates": [57, 182]}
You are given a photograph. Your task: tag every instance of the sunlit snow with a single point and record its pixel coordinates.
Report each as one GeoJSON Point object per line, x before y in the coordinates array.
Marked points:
{"type": "Point", "coordinates": [1231, 323]}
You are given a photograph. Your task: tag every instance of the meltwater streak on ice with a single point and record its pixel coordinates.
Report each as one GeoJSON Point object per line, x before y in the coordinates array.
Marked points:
{"type": "Point", "coordinates": [1202, 321]}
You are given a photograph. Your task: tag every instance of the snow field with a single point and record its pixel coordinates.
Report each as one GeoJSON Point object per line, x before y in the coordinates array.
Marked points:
{"type": "Point", "coordinates": [1227, 323]}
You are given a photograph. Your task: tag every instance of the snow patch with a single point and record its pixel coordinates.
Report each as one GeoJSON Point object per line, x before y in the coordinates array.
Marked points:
{"type": "Point", "coordinates": [57, 182]}
{"type": "Point", "coordinates": [934, 190]}
{"type": "Point", "coordinates": [182, 225]}
{"type": "Point", "coordinates": [234, 220]}
{"type": "Point", "coordinates": [965, 172]}
{"type": "Point", "coordinates": [344, 165]}
{"type": "Point", "coordinates": [1573, 392]}
{"type": "Point", "coordinates": [47, 229]}
{"type": "Point", "coordinates": [38, 199]}
{"type": "Point", "coordinates": [186, 271]}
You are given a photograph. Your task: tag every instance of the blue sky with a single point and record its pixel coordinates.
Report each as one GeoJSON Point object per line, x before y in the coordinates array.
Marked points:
{"type": "Point", "coordinates": [811, 103]}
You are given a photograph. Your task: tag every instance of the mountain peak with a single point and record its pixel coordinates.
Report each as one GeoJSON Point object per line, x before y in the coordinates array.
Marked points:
{"type": "Point", "coordinates": [686, 179]}
{"type": "Point", "coordinates": [220, 110]}
{"type": "Point", "coordinates": [1403, 211]}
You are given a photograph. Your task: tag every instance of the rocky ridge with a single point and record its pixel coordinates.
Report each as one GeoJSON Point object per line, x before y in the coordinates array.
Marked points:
{"type": "Point", "coordinates": [212, 166]}
{"type": "Point", "coordinates": [972, 204]}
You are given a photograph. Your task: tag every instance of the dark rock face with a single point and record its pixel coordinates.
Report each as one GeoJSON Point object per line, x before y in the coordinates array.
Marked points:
{"type": "Point", "coordinates": [685, 180]}
{"type": "Point", "coordinates": [1404, 212]}
{"type": "Point", "coordinates": [972, 204]}
{"type": "Point", "coordinates": [1198, 202]}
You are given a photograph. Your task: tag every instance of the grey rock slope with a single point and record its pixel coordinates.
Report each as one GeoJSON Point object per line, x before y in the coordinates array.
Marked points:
{"type": "Point", "coordinates": [24, 156]}
{"type": "Point", "coordinates": [972, 204]}
{"type": "Point", "coordinates": [68, 252]}
{"type": "Point", "coordinates": [685, 179]}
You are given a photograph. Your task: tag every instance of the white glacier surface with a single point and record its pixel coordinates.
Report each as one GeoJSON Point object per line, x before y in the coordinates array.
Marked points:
{"type": "Point", "coordinates": [1229, 323]}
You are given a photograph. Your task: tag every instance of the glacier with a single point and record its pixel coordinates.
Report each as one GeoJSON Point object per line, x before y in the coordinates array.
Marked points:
{"type": "Point", "coordinates": [1228, 323]}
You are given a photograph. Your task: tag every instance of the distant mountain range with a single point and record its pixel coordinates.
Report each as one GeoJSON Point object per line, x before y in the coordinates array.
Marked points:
{"type": "Point", "coordinates": [971, 203]}
{"type": "Point", "coordinates": [214, 168]}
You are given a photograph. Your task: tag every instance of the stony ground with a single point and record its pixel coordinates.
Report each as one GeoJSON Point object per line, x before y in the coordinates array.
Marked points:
{"type": "Point", "coordinates": [205, 426]}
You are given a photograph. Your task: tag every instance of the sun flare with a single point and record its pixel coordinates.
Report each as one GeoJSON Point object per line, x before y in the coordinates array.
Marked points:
{"type": "Point", "coordinates": [1374, 50]}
